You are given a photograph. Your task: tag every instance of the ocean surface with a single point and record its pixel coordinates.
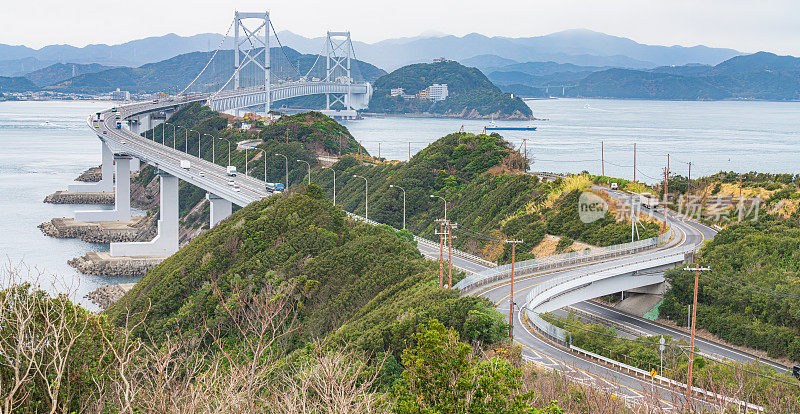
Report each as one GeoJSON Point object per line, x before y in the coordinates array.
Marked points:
{"type": "Point", "coordinates": [45, 145]}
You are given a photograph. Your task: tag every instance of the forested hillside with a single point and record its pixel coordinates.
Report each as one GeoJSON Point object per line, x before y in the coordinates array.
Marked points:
{"type": "Point", "coordinates": [488, 193]}
{"type": "Point", "coordinates": [752, 295]}
{"type": "Point", "coordinates": [471, 93]}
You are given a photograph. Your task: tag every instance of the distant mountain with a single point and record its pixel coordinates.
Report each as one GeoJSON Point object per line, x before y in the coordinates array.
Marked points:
{"type": "Point", "coordinates": [133, 53]}
{"type": "Point", "coordinates": [578, 47]}
{"type": "Point", "coordinates": [552, 79]}
{"type": "Point", "coordinates": [62, 71]}
{"type": "Point", "coordinates": [487, 62]}
{"type": "Point", "coordinates": [16, 84]}
{"type": "Point", "coordinates": [524, 91]}
{"type": "Point", "coordinates": [761, 75]}
{"type": "Point", "coordinates": [179, 71]}
{"type": "Point", "coordinates": [471, 93]}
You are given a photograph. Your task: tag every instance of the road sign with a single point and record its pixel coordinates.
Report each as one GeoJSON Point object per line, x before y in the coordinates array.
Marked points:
{"type": "Point", "coordinates": [661, 341]}
{"type": "Point", "coordinates": [653, 372]}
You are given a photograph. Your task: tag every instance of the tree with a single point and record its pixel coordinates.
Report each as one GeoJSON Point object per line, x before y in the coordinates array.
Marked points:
{"type": "Point", "coordinates": [445, 375]}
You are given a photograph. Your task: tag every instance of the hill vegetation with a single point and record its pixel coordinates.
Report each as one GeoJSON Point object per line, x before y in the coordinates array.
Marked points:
{"type": "Point", "coordinates": [758, 76]}
{"type": "Point", "coordinates": [471, 93]}
{"type": "Point", "coordinates": [62, 71]}
{"type": "Point", "coordinates": [488, 195]}
{"type": "Point", "coordinates": [16, 84]}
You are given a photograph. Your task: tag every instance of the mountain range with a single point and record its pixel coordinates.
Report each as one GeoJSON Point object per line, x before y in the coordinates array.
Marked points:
{"type": "Point", "coordinates": [576, 46]}
{"type": "Point", "coordinates": [177, 72]}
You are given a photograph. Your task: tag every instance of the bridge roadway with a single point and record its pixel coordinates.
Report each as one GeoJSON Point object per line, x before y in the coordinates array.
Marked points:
{"type": "Point", "coordinates": [536, 349]}
{"type": "Point", "coordinates": [213, 178]}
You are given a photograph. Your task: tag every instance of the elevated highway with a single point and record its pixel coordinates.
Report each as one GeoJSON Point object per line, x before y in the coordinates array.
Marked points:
{"type": "Point", "coordinates": [567, 283]}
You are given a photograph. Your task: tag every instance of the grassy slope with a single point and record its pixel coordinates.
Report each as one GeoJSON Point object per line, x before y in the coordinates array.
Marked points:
{"type": "Point", "coordinates": [349, 277]}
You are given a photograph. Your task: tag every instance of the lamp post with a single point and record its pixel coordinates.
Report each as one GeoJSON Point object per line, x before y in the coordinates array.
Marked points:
{"type": "Point", "coordinates": [366, 195]}
{"type": "Point", "coordinates": [173, 134]}
{"type": "Point", "coordinates": [404, 203]}
{"type": "Point", "coordinates": [212, 146]}
{"type": "Point", "coordinates": [186, 138]}
{"type": "Point", "coordinates": [198, 144]}
{"type": "Point", "coordinates": [334, 183]}
{"type": "Point", "coordinates": [248, 160]}
{"type": "Point", "coordinates": [229, 149]}
{"type": "Point", "coordinates": [287, 171]}
{"type": "Point", "coordinates": [309, 170]}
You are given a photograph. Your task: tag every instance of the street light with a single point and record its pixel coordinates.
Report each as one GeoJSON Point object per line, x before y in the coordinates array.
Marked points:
{"type": "Point", "coordinates": [445, 204]}
{"type": "Point", "coordinates": [404, 202]}
{"type": "Point", "coordinates": [309, 170]}
{"type": "Point", "coordinates": [287, 171]}
{"type": "Point", "coordinates": [366, 196]}
{"type": "Point", "coordinates": [334, 183]}
{"type": "Point", "coordinates": [212, 147]}
{"type": "Point", "coordinates": [186, 147]}
{"type": "Point", "coordinates": [173, 134]}
{"type": "Point", "coordinates": [265, 163]}
{"type": "Point", "coordinates": [229, 150]}
{"type": "Point", "coordinates": [198, 144]}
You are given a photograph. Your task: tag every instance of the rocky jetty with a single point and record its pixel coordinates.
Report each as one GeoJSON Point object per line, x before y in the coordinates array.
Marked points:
{"type": "Point", "coordinates": [103, 264]}
{"type": "Point", "coordinates": [66, 197]}
{"type": "Point", "coordinates": [92, 175]}
{"type": "Point", "coordinates": [138, 229]}
{"type": "Point", "coordinates": [107, 295]}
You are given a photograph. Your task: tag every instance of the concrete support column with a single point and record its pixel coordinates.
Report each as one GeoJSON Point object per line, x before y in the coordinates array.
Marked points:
{"type": "Point", "coordinates": [135, 164]}
{"type": "Point", "coordinates": [220, 208]}
{"type": "Point", "coordinates": [106, 183]}
{"type": "Point", "coordinates": [122, 195]}
{"type": "Point", "coordinates": [166, 241]}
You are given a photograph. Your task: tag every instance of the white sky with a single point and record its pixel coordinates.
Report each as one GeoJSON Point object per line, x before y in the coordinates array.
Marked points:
{"type": "Point", "coordinates": [751, 25]}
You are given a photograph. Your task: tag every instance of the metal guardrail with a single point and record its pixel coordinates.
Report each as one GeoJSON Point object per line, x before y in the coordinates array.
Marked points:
{"type": "Point", "coordinates": [549, 262]}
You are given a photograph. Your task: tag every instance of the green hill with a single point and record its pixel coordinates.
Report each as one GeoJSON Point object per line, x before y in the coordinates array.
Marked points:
{"type": "Point", "coordinates": [488, 195]}
{"type": "Point", "coordinates": [16, 84]}
{"type": "Point", "coordinates": [471, 93]}
{"type": "Point", "coordinates": [339, 274]}
{"type": "Point", "coordinates": [62, 71]}
{"type": "Point", "coordinates": [758, 76]}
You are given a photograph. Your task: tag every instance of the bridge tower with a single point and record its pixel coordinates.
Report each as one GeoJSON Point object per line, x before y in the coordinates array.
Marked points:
{"type": "Point", "coordinates": [255, 38]}
{"type": "Point", "coordinates": [339, 49]}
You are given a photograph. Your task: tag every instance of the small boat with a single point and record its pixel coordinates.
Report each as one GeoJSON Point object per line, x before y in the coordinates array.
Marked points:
{"type": "Point", "coordinates": [494, 127]}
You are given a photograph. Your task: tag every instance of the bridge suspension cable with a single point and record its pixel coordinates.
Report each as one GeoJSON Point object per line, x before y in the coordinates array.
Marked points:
{"type": "Point", "coordinates": [221, 42]}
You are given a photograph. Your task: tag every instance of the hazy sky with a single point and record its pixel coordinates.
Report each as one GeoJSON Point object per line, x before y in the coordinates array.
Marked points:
{"type": "Point", "coordinates": [752, 25]}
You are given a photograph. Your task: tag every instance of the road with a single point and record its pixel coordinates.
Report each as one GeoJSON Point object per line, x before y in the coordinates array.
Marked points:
{"type": "Point", "coordinates": [214, 179]}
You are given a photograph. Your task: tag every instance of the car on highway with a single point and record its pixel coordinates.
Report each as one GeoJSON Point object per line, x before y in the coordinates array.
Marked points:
{"type": "Point", "coordinates": [202, 174]}
{"type": "Point", "coordinates": [231, 183]}
{"type": "Point", "coordinates": [236, 188]}
{"type": "Point", "coordinates": [105, 132]}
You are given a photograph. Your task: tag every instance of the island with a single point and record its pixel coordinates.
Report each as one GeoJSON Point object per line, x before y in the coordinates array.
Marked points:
{"type": "Point", "coordinates": [444, 88]}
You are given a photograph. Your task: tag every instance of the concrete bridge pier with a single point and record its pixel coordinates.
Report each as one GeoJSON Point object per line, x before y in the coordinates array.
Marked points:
{"type": "Point", "coordinates": [166, 241]}
{"type": "Point", "coordinates": [122, 195]}
{"type": "Point", "coordinates": [106, 183]}
{"type": "Point", "coordinates": [220, 208]}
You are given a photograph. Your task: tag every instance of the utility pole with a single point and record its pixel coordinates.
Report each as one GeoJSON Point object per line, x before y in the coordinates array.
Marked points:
{"type": "Point", "coordinates": [379, 151]}
{"type": "Point", "coordinates": [340, 144]}
{"type": "Point", "coordinates": [441, 234]}
{"type": "Point", "coordinates": [450, 227]}
{"type": "Point", "coordinates": [409, 151]}
{"type": "Point", "coordinates": [634, 162]}
{"type": "Point", "coordinates": [689, 188]}
{"type": "Point", "coordinates": [524, 145]}
{"type": "Point", "coordinates": [741, 201]}
{"type": "Point", "coordinates": [666, 194]}
{"type": "Point", "coordinates": [511, 299]}
{"type": "Point", "coordinates": [602, 160]}
{"type": "Point", "coordinates": [697, 270]}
